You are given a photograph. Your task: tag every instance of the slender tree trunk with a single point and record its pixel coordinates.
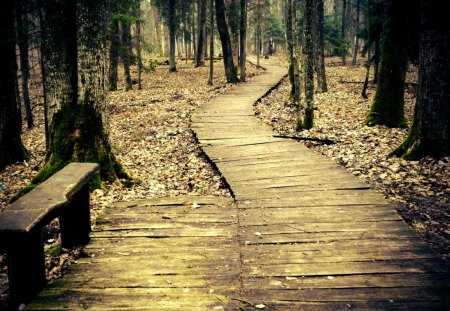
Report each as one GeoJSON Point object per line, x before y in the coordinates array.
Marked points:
{"type": "Point", "coordinates": [11, 148]}
{"type": "Point", "coordinates": [369, 58]}
{"type": "Point", "coordinates": [201, 37]}
{"type": "Point", "coordinates": [258, 32]}
{"type": "Point", "coordinates": [230, 68]}
{"type": "Point", "coordinates": [308, 51]}
{"type": "Point", "coordinates": [243, 39]}
{"type": "Point", "coordinates": [172, 29]}
{"type": "Point", "coordinates": [138, 45]}
{"type": "Point", "coordinates": [211, 43]}
{"type": "Point", "coordinates": [233, 23]}
{"type": "Point", "coordinates": [356, 40]}
{"type": "Point", "coordinates": [343, 28]}
{"type": "Point", "coordinates": [23, 27]}
{"type": "Point", "coordinates": [321, 75]}
{"type": "Point", "coordinates": [126, 56]}
{"type": "Point", "coordinates": [157, 26]}
{"type": "Point", "coordinates": [114, 55]}
{"type": "Point", "coordinates": [430, 132]}
{"type": "Point", "coordinates": [388, 106]}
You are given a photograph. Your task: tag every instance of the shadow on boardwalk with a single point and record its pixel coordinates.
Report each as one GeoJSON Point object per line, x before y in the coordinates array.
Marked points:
{"type": "Point", "coordinates": [304, 234]}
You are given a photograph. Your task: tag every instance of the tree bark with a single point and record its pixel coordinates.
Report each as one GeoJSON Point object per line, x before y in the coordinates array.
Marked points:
{"type": "Point", "coordinates": [388, 106]}
{"type": "Point", "coordinates": [201, 36]}
{"type": "Point", "coordinates": [356, 39]}
{"type": "Point", "coordinates": [11, 148]}
{"type": "Point", "coordinates": [343, 28]}
{"type": "Point", "coordinates": [125, 53]}
{"type": "Point", "coordinates": [138, 44]}
{"type": "Point", "coordinates": [308, 50]}
{"type": "Point", "coordinates": [23, 27]}
{"type": "Point", "coordinates": [211, 43]}
{"type": "Point", "coordinates": [230, 68]}
{"type": "Point", "coordinates": [243, 39]}
{"type": "Point", "coordinates": [233, 23]}
{"type": "Point", "coordinates": [172, 29]}
{"type": "Point", "coordinates": [320, 56]}
{"type": "Point", "coordinates": [430, 133]}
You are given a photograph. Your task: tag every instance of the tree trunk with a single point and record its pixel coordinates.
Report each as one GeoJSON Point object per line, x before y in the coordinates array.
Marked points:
{"type": "Point", "coordinates": [125, 53]}
{"type": "Point", "coordinates": [211, 43]}
{"type": "Point", "coordinates": [138, 44]}
{"type": "Point", "coordinates": [308, 51]}
{"type": "Point", "coordinates": [233, 22]}
{"type": "Point", "coordinates": [258, 32]}
{"type": "Point", "coordinates": [356, 40]}
{"type": "Point", "coordinates": [290, 37]}
{"type": "Point", "coordinates": [172, 29]}
{"type": "Point", "coordinates": [243, 39]}
{"type": "Point", "coordinates": [114, 55]}
{"type": "Point", "coordinates": [23, 27]}
{"type": "Point", "coordinates": [230, 68]}
{"type": "Point", "coordinates": [320, 56]}
{"type": "Point", "coordinates": [76, 82]}
{"type": "Point", "coordinates": [156, 18]}
{"type": "Point", "coordinates": [430, 133]}
{"type": "Point", "coordinates": [201, 36]}
{"type": "Point", "coordinates": [343, 28]}
{"type": "Point", "coordinates": [376, 60]}
{"type": "Point", "coordinates": [388, 106]}
{"type": "Point", "coordinates": [11, 148]}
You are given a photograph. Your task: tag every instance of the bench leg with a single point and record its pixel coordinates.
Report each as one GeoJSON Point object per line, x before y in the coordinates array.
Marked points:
{"type": "Point", "coordinates": [75, 220]}
{"type": "Point", "coordinates": [26, 268]}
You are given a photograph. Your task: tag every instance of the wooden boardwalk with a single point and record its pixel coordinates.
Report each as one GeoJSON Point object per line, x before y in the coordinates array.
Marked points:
{"type": "Point", "coordinates": [304, 234]}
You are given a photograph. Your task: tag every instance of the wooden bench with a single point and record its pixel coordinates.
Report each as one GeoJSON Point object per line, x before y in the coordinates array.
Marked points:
{"type": "Point", "coordinates": [64, 195]}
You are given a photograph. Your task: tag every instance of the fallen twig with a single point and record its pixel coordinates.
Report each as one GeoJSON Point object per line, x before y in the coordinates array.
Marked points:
{"type": "Point", "coordinates": [319, 140]}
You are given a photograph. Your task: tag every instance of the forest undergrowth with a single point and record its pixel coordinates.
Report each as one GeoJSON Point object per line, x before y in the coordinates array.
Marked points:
{"type": "Point", "coordinates": [420, 190]}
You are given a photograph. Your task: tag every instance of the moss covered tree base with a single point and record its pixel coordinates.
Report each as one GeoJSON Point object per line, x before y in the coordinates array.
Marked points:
{"type": "Point", "coordinates": [416, 147]}
{"type": "Point", "coordinates": [77, 135]}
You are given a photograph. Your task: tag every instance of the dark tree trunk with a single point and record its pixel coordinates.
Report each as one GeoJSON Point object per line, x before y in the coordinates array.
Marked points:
{"type": "Point", "coordinates": [11, 148]}
{"type": "Point", "coordinates": [125, 53]}
{"type": "Point", "coordinates": [172, 36]}
{"type": "Point", "coordinates": [430, 133]}
{"type": "Point", "coordinates": [308, 51]}
{"type": "Point", "coordinates": [388, 106]}
{"type": "Point", "coordinates": [291, 40]}
{"type": "Point", "coordinates": [23, 27]}
{"type": "Point", "coordinates": [376, 60]}
{"type": "Point", "coordinates": [201, 36]}
{"type": "Point", "coordinates": [258, 31]}
{"type": "Point", "coordinates": [320, 55]}
{"type": "Point", "coordinates": [114, 55]}
{"type": "Point", "coordinates": [230, 68]}
{"type": "Point", "coordinates": [243, 39]}
{"type": "Point", "coordinates": [211, 43]}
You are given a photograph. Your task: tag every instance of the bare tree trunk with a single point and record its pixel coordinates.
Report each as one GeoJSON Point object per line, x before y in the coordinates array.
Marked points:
{"type": "Point", "coordinates": [308, 51]}
{"type": "Point", "coordinates": [114, 55]}
{"type": "Point", "coordinates": [356, 40]}
{"type": "Point", "coordinates": [233, 23]}
{"type": "Point", "coordinates": [156, 22]}
{"type": "Point", "coordinates": [138, 45]}
{"type": "Point", "coordinates": [211, 43]}
{"type": "Point", "coordinates": [125, 53]}
{"type": "Point", "coordinates": [11, 148]}
{"type": "Point", "coordinates": [343, 28]}
{"type": "Point", "coordinates": [243, 39]}
{"type": "Point", "coordinates": [23, 27]}
{"type": "Point", "coordinates": [201, 37]}
{"type": "Point", "coordinates": [172, 28]}
{"type": "Point", "coordinates": [320, 56]}
{"type": "Point", "coordinates": [230, 68]}
{"type": "Point", "coordinates": [258, 32]}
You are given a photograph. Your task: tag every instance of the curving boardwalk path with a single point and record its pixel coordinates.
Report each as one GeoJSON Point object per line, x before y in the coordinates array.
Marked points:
{"type": "Point", "coordinates": [303, 234]}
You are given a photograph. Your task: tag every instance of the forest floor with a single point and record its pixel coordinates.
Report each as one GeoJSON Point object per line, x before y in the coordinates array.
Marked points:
{"type": "Point", "coordinates": [420, 190]}
{"type": "Point", "coordinates": [150, 134]}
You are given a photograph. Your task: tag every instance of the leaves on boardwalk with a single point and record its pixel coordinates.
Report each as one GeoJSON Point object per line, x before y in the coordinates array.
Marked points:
{"type": "Point", "coordinates": [419, 189]}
